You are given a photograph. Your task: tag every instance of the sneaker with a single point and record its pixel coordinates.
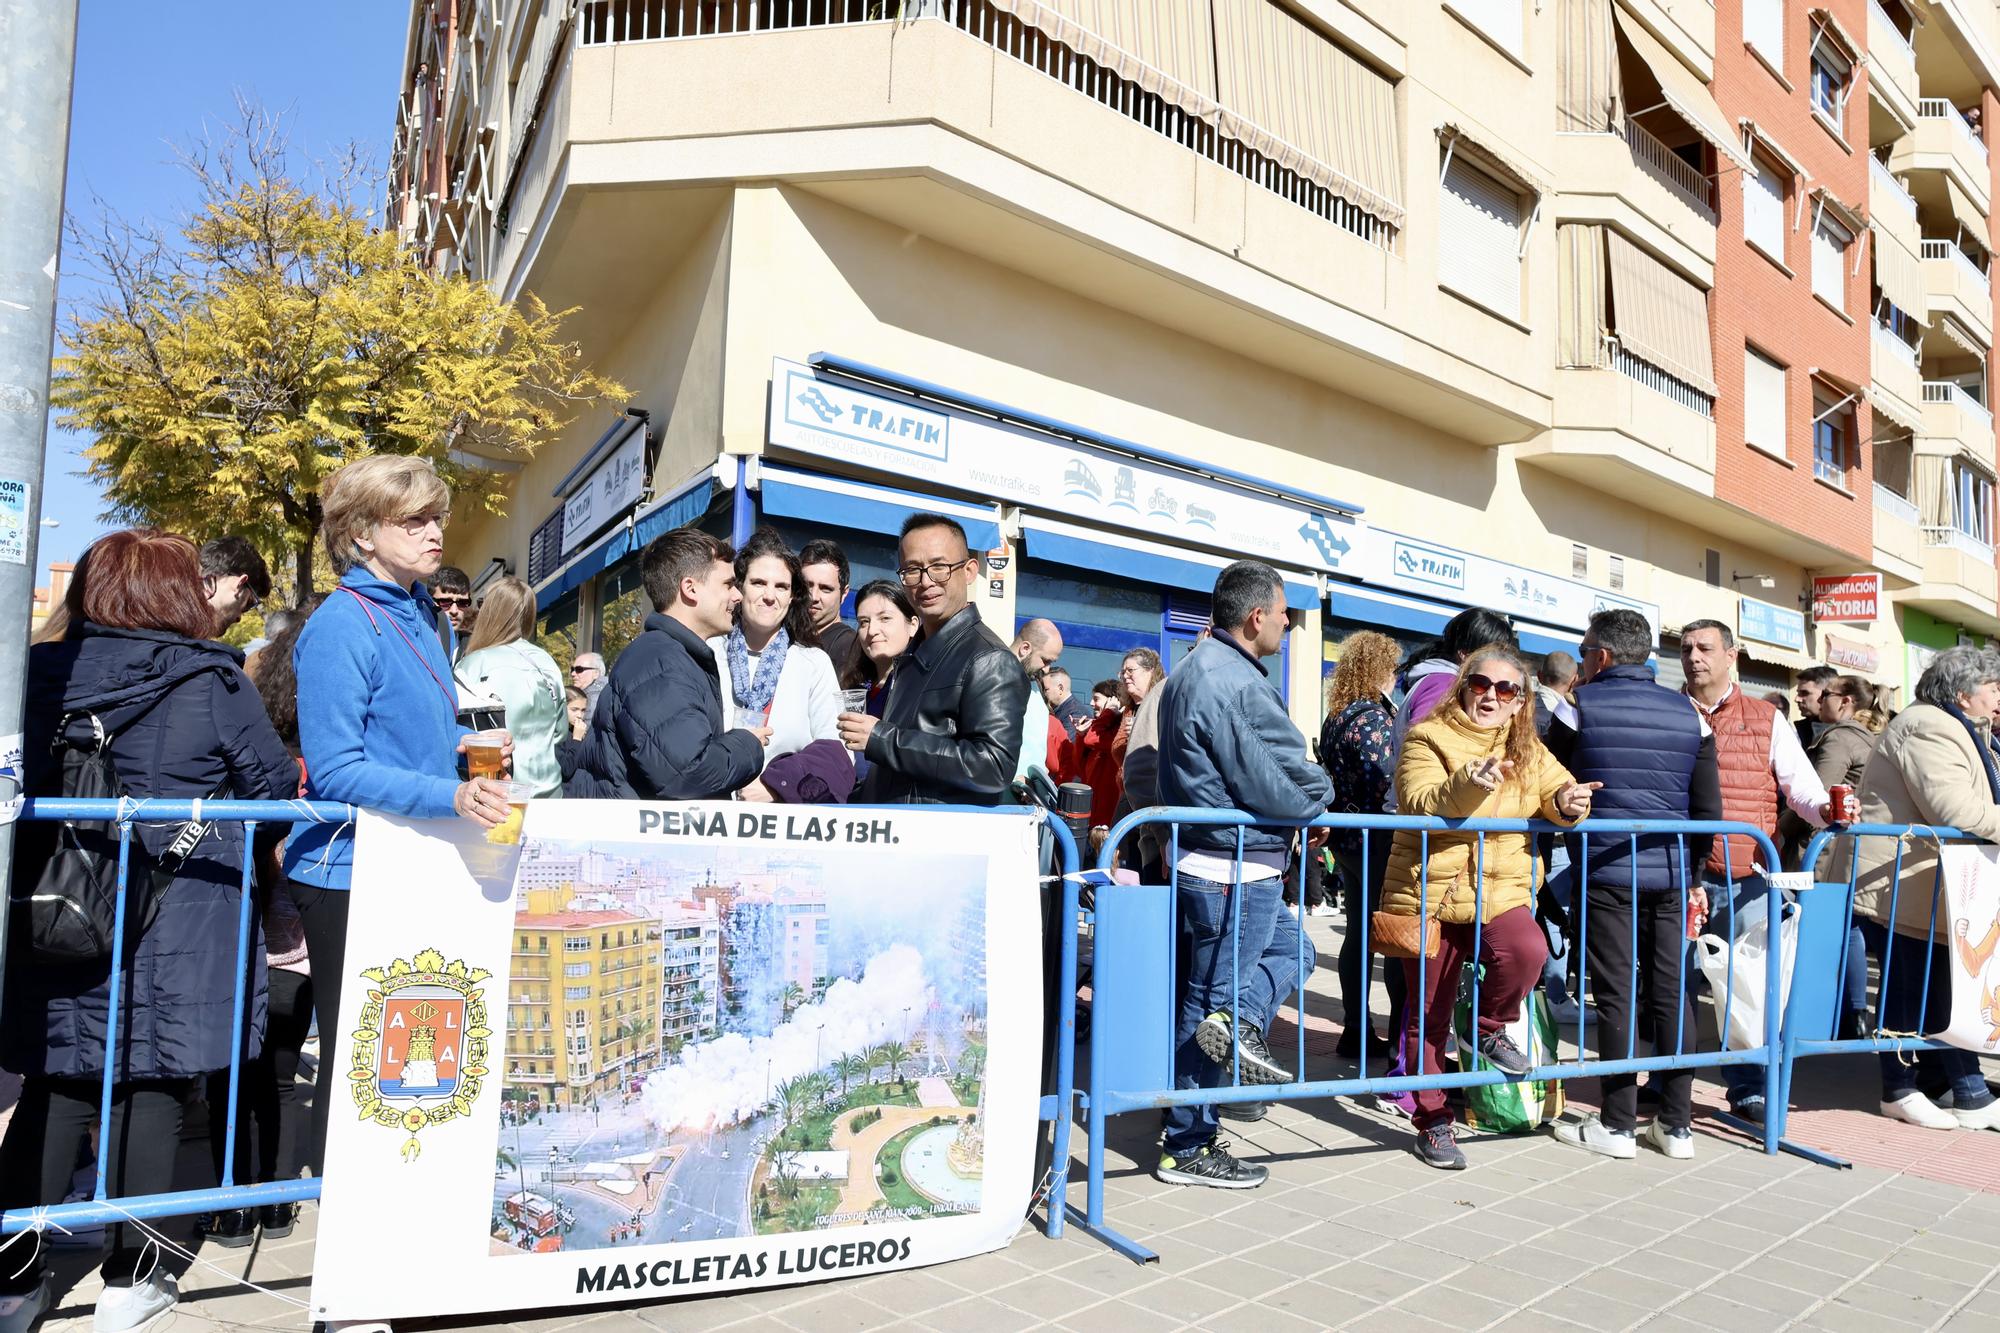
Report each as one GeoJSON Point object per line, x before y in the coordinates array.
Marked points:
{"type": "Point", "coordinates": [1498, 1049]}
{"type": "Point", "coordinates": [1211, 1165]}
{"type": "Point", "coordinates": [1594, 1135]}
{"type": "Point", "coordinates": [232, 1230]}
{"type": "Point", "coordinates": [20, 1313]}
{"type": "Point", "coordinates": [123, 1308]}
{"type": "Point", "coordinates": [1220, 1038]}
{"type": "Point", "coordinates": [1913, 1108]}
{"type": "Point", "coordinates": [277, 1219]}
{"type": "Point", "coordinates": [1675, 1143]}
{"type": "Point", "coordinates": [1436, 1147]}
{"type": "Point", "coordinates": [1244, 1111]}
{"type": "Point", "coordinates": [1750, 1108]}
{"type": "Point", "coordinates": [1978, 1117]}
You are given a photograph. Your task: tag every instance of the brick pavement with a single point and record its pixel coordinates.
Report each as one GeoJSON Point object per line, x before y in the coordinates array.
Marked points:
{"type": "Point", "coordinates": [1352, 1232]}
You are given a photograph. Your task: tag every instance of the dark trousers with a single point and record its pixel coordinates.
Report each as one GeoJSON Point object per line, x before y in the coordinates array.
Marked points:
{"type": "Point", "coordinates": [1655, 988]}
{"type": "Point", "coordinates": [1513, 949]}
{"type": "Point", "coordinates": [52, 1125]}
{"type": "Point", "coordinates": [268, 1133]}
{"type": "Point", "coordinates": [1364, 891]}
{"type": "Point", "coordinates": [323, 912]}
{"type": "Point", "coordinates": [1917, 999]}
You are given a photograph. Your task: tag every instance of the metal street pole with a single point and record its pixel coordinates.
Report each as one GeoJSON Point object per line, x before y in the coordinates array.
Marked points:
{"type": "Point", "coordinates": [37, 61]}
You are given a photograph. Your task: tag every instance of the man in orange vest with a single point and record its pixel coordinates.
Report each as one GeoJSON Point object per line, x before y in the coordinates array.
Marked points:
{"type": "Point", "coordinates": [1763, 769]}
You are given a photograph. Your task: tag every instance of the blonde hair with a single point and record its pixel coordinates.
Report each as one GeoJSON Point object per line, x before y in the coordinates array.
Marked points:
{"type": "Point", "coordinates": [1522, 742]}
{"type": "Point", "coordinates": [375, 490]}
{"type": "Point", "coordinates": [506, 613]}
{"type": "Point", "coordinates": [1365, 657]}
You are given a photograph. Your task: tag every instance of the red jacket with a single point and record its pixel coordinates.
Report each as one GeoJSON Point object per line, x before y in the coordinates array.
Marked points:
{"type": "Point", "coordinates": [1101, 763]}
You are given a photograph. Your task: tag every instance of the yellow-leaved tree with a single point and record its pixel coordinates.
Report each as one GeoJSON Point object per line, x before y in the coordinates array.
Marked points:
{"type": "Point", "coordinates": [224, 370]}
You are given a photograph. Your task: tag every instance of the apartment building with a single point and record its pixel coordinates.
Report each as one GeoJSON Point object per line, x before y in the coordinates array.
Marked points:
{"type": "Point", "coordinates": [584, 1003]}
{"type": "Point", "coordinates": [1540, 306]}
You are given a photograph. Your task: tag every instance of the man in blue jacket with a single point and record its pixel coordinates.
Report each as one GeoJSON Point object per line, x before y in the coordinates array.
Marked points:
{"type": "Point", "coordinates": [1656, 758]}
{"type": "Point", "coordinates": [1226, 743]}
{"type": "Point", "coordinates": [657, 733]}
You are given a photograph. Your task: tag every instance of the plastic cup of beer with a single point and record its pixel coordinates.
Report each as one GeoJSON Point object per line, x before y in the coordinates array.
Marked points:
{"type": "Point", "coordinates": [854, 701]}
{"type": "Point", "coordinates": [485, 753]}
{"type": "Point", "coordinates": [753, 717]}
{"type": "Point", "coordinates": [508, 831]}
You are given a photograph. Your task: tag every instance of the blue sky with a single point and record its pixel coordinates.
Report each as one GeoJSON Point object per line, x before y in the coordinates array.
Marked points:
{"type": "Point", "coordinates": [149, 74]}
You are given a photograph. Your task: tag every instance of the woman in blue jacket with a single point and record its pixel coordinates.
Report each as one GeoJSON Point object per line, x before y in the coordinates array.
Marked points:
{"type": "Point", "coordinates": [378, 718]}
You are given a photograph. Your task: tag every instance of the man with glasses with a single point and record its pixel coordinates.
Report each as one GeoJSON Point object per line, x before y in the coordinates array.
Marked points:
{"type": "Point", "coordinates": [950, 730]}
{"type": "Point", "coordinates": [452, 591]}
{"type": "Point", "coordinates": [1656, 758]}
{"type": "Point", "coordinates": [234, 578]}
{"type": "Point", "coordinates": [586, 673]}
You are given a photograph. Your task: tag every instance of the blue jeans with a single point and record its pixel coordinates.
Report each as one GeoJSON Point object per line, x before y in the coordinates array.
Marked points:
{"type": "Point", "coordinates": [1265, 940]}
{"type": "Point", "coordinates": [1910, 1005]}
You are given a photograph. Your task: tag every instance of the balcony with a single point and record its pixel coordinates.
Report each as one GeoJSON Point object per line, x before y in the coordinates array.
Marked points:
{"type": "Point", "coordinates": [1954, 285]}
{"type": "Point", "coordinates": [1890, 204]}
{"type": "Point", "coordinates": [1960, 581]}
{"type": "Point", "coordinates": [1624, 427]}
{"type": "Point", "coordinates": [1955, 422]}
{"type": "Point", "coordinates": [1894, 372]}
{"type": "Point", "coordinates": [1899, 545]}
{"type": "Point", "coordinates": [1634, 180]}
{"type": "Point", "coordinates": [1945, 142]}
{"type": "Point", "coordinates": [1892, 64]}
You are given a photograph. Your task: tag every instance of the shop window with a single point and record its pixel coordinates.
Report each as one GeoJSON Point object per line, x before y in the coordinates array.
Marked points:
{"type": "Point", "coordinates": [1100, 621]}
{"type": "Point", "coordinates": [555, 632]}
{"type": "Point", "coordinates": [622, 608]}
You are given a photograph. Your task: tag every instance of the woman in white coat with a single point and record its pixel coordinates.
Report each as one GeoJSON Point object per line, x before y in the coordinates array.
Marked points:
{"type": "Point", "coordinates": [775, 674]}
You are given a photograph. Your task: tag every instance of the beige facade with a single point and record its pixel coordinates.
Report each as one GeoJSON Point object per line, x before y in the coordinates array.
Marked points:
{"type": "Point", "coordinates": [1357, 295]}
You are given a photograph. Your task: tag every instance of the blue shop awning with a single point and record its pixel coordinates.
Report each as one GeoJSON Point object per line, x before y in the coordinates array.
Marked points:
{"type": "Point", "coordinates": [1087, 549]}
{"type": "Point", "coordinates": [680, 506]}
{"type": "Point", "coordinates": [834, 501]}
{"type": "Point", "coordinates": [1421, 615]}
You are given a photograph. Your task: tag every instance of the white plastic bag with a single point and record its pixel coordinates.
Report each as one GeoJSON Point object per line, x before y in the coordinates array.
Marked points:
{"type": "Point", "coordinates": [1743, 985]}
{"type": "Point", "coordinates": [1969, 921]}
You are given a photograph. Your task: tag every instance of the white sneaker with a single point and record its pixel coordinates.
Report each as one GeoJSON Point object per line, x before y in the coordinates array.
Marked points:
{"type": "Point", "coordinates": [1591, 1133]}
{"type": "Point", "coordinates": [1675, 1143]}
{"type": "Point", "coordinates": [18, 1314]}
{"type": "Point", "coordinates": [1916, 1109]}
{"type": "Point", "coordinates": [120, 1309]}
{"type": "Point", "coordinates": [1986, 1117]}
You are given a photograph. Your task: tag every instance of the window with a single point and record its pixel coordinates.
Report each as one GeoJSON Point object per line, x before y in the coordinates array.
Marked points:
{"type": "Point", "coordinates": [576, 992]}
{"type": "Point", "coordinates": [576, 970]}
{"type": "Point", "coordinates": [1833, 436]}
{"type": "Point", "coordinates": [1972, 502]}
{"type": "Point", "coordinates": [1617, 573]}
{"type": "Point", "coordinates": [1829, 261]}
{"type": "Point", "coordinates": [1479, 238]}
{"type": "Point", "coordinates": [1832, 73]}
{"type": "Point", "coordinates": [1500, 20]}
{"type": "Point", "coordinates": [1763, 402]}
{"type": "Point", "coordinates": [1579, 561]}
{"type": "Point", "coordinates": [1764, 208]}
{"type": "Point", "coordinates": [1764, 30]}
{"type": "Point", "coordinates": [1893, 456]}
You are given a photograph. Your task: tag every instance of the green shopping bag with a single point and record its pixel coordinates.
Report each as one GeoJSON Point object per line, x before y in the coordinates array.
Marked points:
{"type": "Point", "coordinates": [1518, 1106]}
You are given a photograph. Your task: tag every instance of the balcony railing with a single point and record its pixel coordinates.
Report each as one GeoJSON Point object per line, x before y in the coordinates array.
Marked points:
{"type": "Point", "coordinates": [612, 22]}
{"type": "Point", "coordinates": [1937, 108]}
{"type": "Point", "coordinates": [1830, 472]}
{"type": "Point", "coordinates": [1962, 542]}
{"type": "Point", "coordinates": [1886, 339]}
{"type": "Point", "coordinates": [1946, 250]}
{"type": "Point", "coordinates": [1659, 381]}
{"type": "Point", "coordinates": [1885, 185]}
{"type": "Point", "coordinates": [1894, 505]}
{"type": "Point", "coordinates": [1882, 31]}
{"type": "Point", "coordinates": [1665, 166]}
{"type": "Point", "coordinates": [1944, 391]}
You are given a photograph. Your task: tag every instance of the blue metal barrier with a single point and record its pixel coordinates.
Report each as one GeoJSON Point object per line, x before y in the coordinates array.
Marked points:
{"type": "Point", "coordinates": [1125, 960]}
{"type": "Point", "coordinates": [1802, 1029]}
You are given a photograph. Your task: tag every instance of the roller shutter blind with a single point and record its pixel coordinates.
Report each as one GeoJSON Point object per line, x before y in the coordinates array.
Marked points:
{"type": "Point", "coordinates": [1763, 402]}
{"type": "Point", "coordinates": [1764, 209]}
{"type": "Point", "coordinates": [1479, 239]}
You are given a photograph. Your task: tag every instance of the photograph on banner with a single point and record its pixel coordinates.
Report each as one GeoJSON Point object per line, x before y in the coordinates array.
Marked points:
{"type": "Point", "coordinates": [686, 1048]}
{"type": "Point", "coordinates": [1971, 892]}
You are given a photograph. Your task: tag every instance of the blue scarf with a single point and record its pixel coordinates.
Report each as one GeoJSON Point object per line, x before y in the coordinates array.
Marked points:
{"type": "Point", "coordinates": [1985, 751]}
{"type": "Point", "coordinates": [754, 691]}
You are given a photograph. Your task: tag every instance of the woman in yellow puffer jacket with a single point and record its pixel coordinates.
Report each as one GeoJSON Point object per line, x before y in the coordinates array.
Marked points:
{"type": "Point", "coordinates": [1476, 756]}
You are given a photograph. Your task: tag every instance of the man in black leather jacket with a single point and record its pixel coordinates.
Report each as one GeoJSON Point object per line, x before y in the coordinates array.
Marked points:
{"type": "Point", "coordinates": [950, 732]}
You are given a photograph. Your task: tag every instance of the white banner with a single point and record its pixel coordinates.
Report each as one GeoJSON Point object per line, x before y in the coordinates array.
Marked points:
{"type": "Point", "coordinates": [667, 1051]}
{"type": "Point", "coordinates": [1969, 918]}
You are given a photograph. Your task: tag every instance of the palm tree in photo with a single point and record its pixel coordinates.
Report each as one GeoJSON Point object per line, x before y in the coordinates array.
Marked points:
{"type": "Point", "coordinates": [793, 1097]}
{"type": "Point", "coordinates": [893, 1053]}
{"type": "Point", "coordinates": [850, 1067]}
{"type": "Point", "coordinates": [801, 1214]}
{"type": "Point", "coordinates": [792, 997]}
{"type": "Point", "coordinates": [820, 1086]}
{"type": "Point", "coordinates": [972, 1062]}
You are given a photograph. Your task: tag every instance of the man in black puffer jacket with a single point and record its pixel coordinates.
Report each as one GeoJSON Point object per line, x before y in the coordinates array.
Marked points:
{"type": "Point", "coordinates": [950, 732]}
{"type": "Point", "coordinates": [657, 733]}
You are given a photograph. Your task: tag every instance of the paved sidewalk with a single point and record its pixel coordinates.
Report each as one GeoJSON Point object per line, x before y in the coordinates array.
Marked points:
{"type": "Point", "coordinates": [1352, 1232]}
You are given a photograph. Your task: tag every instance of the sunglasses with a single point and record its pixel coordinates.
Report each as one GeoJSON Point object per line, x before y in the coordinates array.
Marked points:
{"type": "Point", "coordinates": [1506, 691]}
{"type": "Point", "coordinates": [450, 599]}
{"type": "Point", "coordinates": [579, 670]}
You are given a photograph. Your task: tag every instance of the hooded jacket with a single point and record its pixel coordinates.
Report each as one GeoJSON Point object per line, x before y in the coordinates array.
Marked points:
{"type": "Point", "coordinates": [378, 718]}
{"type": "Point", "coordinates": [184, 722]}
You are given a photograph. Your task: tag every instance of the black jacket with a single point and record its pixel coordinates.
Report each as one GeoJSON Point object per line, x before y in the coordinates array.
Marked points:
{"type": "Point", "coordinates": [951, 730]}
{"type": "Point", "coordinates": [184, 722]}
{"type": "Point", "coordinates": [657, 732]}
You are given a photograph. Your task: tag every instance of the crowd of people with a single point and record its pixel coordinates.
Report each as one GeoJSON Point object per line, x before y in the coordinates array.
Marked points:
{"type": "Point", "coordinates": [745, 683]}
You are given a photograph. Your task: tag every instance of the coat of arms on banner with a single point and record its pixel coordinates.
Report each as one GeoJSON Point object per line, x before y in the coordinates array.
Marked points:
{"type": "Point", "coordinates": [419, 1053]}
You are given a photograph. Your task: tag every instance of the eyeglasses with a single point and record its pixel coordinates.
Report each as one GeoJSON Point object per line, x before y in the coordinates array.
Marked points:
{"type": "Point", "coordinates": [1506, 691]}
{"type": "Point", "coordinates": [937, 571]}
{"type": "Point", "coordinates": [414, 524]}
